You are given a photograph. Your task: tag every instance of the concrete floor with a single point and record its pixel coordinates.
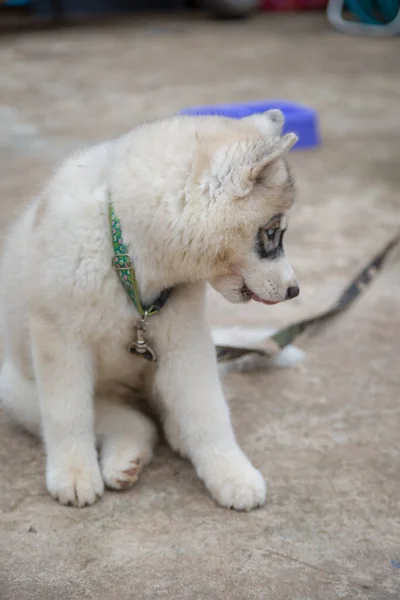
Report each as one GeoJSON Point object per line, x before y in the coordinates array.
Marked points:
{"type": "Point", "coordinates": [325, 434]}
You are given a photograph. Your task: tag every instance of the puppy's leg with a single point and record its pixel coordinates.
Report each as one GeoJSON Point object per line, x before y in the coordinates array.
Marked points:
{"type": "Point", "coordinates": [65, 384]}
{"type": "Point", "coordinates": [126, 439]}
{"type": "Point", "coordinates": [18, 397]}
{"type": "Point", "coordinates": [197, 421]}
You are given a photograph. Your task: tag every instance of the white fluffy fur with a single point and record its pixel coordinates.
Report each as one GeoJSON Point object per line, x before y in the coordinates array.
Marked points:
{"type": "Point", "coordinates": [246, 337]}
{"type": "Point", "coordinates": [191, 194]}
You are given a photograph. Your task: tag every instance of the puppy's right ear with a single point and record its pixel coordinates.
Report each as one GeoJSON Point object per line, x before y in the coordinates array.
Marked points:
{"type": "Point", "coordinates": [269, 123]}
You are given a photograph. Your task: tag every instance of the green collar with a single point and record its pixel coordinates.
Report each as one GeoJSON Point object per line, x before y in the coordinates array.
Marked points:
{"type": "Point", "coordinates": [123, 265]}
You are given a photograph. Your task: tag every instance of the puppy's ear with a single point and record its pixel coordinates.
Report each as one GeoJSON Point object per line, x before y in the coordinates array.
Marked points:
{"type": "Point", "coordinates": [234, 169]}
{"type": "Point", "coordinates": [279, 147]}
{"type": "Point", "coordinates": [269, 123]}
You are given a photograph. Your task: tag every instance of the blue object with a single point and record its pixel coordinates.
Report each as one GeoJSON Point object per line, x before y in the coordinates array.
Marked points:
{"type": "Point", "coordinates": [375, 17]}
{"type": "Point", "coordinates": [16, 2]}
{"type": "Point", "coordinates": [298, 118]}
{"type": "Point", "coordinates": [369, 11]}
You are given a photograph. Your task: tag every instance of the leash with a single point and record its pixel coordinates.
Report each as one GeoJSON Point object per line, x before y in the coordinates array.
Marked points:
{"type": "Point", "coordinates": [287, 335]}
{"type": "Point", "coordinates": [122, 264]}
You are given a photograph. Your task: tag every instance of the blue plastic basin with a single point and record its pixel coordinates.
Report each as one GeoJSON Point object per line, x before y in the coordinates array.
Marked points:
{"type": "Point", "coordinates": [299, 119]}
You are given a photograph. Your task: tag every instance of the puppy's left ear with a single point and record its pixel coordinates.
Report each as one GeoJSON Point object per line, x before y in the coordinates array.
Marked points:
{"type": "Point", "coordinates": [233, 169]}
{"type": "Point", "coordinates": [278, 148]}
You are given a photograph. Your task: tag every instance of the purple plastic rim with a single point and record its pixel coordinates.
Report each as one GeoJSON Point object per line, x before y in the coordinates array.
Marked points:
{"type": "Point", "coordinates": [299, 119]}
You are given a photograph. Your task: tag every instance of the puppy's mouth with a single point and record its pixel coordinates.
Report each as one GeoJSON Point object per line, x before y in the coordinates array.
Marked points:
{"type": "Point", "coordinates": [247, 294]}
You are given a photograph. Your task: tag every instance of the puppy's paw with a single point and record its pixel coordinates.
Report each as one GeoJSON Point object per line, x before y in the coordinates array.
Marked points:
{"type": "Point", "coordinates": [236, 484]}
{"type": "Point", "coordinates": [121, 471]}
{"type": "Point", "coordinates": [75, 482]}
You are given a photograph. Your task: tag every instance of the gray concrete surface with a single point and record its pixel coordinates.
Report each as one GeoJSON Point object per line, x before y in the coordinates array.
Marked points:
{"type": "Point", "coordinates": [325, 434]}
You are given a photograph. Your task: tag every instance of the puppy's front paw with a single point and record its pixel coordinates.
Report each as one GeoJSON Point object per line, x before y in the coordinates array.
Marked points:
{"type": "Point", "coordinates": [235, 483]}
{"type": "Point", "coordinates": [75, 482]}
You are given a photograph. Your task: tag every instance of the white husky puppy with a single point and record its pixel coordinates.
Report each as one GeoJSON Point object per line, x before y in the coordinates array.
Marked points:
{"type": "Point", "coordinates": [190, 200]}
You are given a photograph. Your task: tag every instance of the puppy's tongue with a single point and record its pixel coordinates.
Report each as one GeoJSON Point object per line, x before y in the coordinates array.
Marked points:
{"type": "Point", "coordinates": [258, 299]}
{"type": "Point", "coordinates": [247, 291]}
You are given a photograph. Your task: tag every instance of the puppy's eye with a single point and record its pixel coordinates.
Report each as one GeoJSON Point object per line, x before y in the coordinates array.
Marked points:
{"type": "Point", "coordinates": [271, 232]}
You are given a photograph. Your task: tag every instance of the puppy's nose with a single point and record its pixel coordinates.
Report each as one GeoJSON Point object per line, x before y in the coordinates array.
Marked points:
{"type": "Point", "coordinates": [292, 292]}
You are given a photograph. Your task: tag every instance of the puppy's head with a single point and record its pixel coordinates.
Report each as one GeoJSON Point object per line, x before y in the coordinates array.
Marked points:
{"type": "Point", "coordinates": [243, 177]}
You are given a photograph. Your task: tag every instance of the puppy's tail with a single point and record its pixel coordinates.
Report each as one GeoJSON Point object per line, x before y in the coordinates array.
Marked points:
{"type": "Point", "coordinates": [246, 338]}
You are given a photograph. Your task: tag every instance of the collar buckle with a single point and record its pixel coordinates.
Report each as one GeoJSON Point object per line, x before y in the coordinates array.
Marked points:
{"type": "Point", "coordinates": [121, 262]}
